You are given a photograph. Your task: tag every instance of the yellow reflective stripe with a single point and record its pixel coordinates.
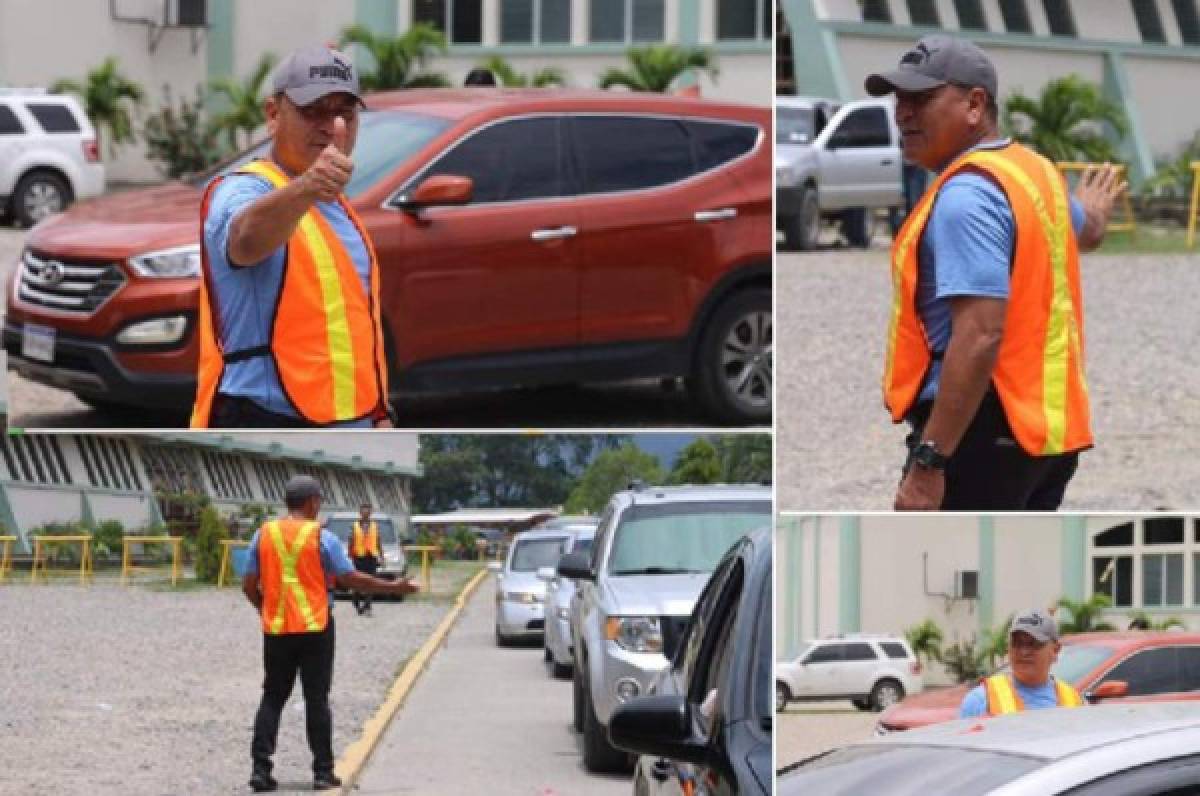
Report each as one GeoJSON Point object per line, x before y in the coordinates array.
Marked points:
{"type": "Point", "coordinates": [291, 579]}
{"type": "Point", "coordinates": [1004, 699]}
{"type": "Point", "coordinates": [265, 170]}
{"type": "Point", "coordinates": [337, 325]}
{"type": "Point", "coordinates": [1056, 347]}
{"type": "Point", "coordinates": [909, 235]}
{"type": "Point", "coordinates": [1068, 697]}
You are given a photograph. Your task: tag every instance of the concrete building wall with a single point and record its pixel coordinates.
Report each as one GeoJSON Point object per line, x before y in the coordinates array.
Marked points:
{"type": "Point", "coordinates": [1028, 564]}
{"type": "Point", "coordinates": [1154, 82]}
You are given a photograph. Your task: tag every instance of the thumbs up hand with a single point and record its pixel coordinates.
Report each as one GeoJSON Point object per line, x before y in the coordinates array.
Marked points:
{"type": "Point", "coordinates": [326, 178]}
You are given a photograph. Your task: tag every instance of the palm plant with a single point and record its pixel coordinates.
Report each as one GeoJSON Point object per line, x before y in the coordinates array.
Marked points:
{"type": "Point", "coordinates": [1173, 178]}
{"type": "Point", "coordinates": [1085, 614]}
{"type": "Point", "coordinates": [993, 646]}
{"type": "Point", "coordinates": [964, 661]}
{"type": "Point", "coordinates": [925, 640]}
{"type": "Point", "coordinates": [243, 102]}
{"type": "Point", "coordinates": [1143, 620]}
{"type": "Point", "coordinates": [399, 59]}
{"type": "Point", "coordinates": [656, 67]}
{"type": "Point", "coordinates": [107, 99]}
{"type": "Point", "coordinates": [507, 76]}
{"type": "Point", "coordinates": [1066, 122]}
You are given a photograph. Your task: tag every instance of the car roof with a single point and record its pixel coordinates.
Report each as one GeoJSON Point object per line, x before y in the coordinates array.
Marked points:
{"type": "Point", "coordinates": [539, 534]}
{"type": "Point", "coordinates": [353, 515]}
{"type": "Point", "coordinates": [657, 495]}
{"type": "Point", "coordinates": [1131, 639]}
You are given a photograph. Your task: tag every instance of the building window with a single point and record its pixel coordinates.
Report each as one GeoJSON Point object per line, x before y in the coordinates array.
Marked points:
{"type": "Point", "coordinates": [1113, 576]}
{"type": "Point", "coordinates": [353, 488]}
{"type": "Point", "coordinates": [35, 459]}
{"type": "Point", "coordinates": [1144, 563]}
{"type": "Point", "coordinates": [226, 475]}
{"type": "Point", "coordinates": [460, 20]}
{"type": "Point", "coordinates": [1016, 16]}
{"type": "Point", "coordinates": [924, 12]}
{"type": "Point", "coordinates": [970, 14]}
{"type": "Point", "coordinates": [328, 495]}
{"type": "Point", "coordinates": [1059, 18]}
{"type": "Point", "coordinates": [108, 463]}
{"type": "Point", "coordinates": [743, 19]}
{"type": "Point", "coordinates": [1189, 23]}
{"type": "Point", "coordinates": [272, 477]}
{"type": "Point", "coordinates": [627, 21]}
{"type": "Point", "coordinates": [535, 21]}
{"type": "Point", "coordinates": [1162, 579]}
{"type": "Point", "coordinates": [876, 11]}
{"type": "Point", "coordinates": [1149, 23]}
{"type": "Point", "coordinates": [389, 492]}
{"type": "Point", "coordinates": [169, 469]}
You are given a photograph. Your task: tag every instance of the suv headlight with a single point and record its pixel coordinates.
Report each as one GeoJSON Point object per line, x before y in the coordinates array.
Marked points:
{"type": "Point", "coordinates": [168, 263]}
{"type": "Point", "coordinates": [635, 633]}
{"type": "Point", "coordinates": [528, 598]}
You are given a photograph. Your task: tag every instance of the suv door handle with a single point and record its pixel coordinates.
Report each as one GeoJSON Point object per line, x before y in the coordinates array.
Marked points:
{"type": "Point", "coordinates": [886, 162]}
{"type": "Point", "coordinates": [716, 215]}
{"type": "Point", "coordinates": [553, 234]}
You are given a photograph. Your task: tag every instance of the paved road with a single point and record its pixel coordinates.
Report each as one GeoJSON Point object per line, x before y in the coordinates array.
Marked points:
{"type": "Point", "coordinates": [484, 720]}
{"type": "Point", "coordinates": [810, 728]}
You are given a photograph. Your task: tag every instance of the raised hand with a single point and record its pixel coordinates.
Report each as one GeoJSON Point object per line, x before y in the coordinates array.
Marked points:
{"type": "Point", "coordinates": [327, 177]}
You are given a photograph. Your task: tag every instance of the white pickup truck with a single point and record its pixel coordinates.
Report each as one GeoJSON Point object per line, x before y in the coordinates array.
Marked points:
{"type": "Point", "coordinates": [834, 162]}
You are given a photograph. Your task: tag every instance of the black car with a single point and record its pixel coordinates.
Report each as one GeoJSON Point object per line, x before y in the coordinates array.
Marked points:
{"type": "Point", "coordinates": [708, 721]}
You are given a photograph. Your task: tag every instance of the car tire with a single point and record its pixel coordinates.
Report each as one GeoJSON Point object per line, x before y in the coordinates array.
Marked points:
{"type": "Point", "coordinates": [577, 699]}
{"type": "Point", "coordinates": [802, 231]}
{"type": "Point", "coordinates": [885, 694]}
{"type": "Point", "coordinates": [599, 756]}
{"type": "Point", "coordinates": [39, 194]}
{"type": "Point", "coordinates": [501, 639]}
{"type": "Point", "coordinates": [734, 369]}
{"type": "Point", "coordinates": [547, 655]}
{"type": "Point", "coordinates": [783, 695]}
{"type": "Point", "coordinates": [562, 670]}
{"type": "Point", "coordinates": [862, 704]}
{"type": "Point", "coordinates": [858, 226]}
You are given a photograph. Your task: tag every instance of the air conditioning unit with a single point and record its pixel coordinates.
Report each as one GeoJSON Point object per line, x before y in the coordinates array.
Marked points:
{"type": "Point", "coordinates": [191, 13]}
{"type": "Point", "coordinates": [966, 584]}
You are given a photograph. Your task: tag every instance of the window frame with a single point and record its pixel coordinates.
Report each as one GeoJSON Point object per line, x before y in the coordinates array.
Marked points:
{"type": "Point", "coordinates": [447, 26]}
{"type": "Point", "coordinates": [626, 26]}
{"type": "Point", "coordinates": [760, 34]}
{"type": "Point", "coordinates": [1138, 552]}
{"type": "Point", "coordinates": [536, 15]}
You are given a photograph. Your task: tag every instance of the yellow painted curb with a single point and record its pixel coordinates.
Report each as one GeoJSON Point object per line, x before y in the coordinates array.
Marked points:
{"type": "Point", "coordinates": [354, 759]}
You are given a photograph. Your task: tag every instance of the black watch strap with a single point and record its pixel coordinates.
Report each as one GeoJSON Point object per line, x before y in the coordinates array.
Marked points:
{"type": "Point", "coordinates": [925, 454]}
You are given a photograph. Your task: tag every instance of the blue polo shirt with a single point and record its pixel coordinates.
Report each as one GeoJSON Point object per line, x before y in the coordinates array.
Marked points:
{"type": "Point", "coordinates": [1043, 696]}
{"type": "Point", "coordinates": [246, 296]}
{"type": "Point", "coordinates": [333, 556]}
{"type": "Point", "coordinates": [966, 250]}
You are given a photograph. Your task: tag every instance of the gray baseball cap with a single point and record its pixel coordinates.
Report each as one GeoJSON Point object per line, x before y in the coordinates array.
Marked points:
{"type": "Point", "coordinates": [934, 61]}
{"type": "Point", "coordinates": [314, 72]}
{"type": "Point", "coordinates": [1038, 624]}
{"type": "Point", "coordinates": [301, 487]}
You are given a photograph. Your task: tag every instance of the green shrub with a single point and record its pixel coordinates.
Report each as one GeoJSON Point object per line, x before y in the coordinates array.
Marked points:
{"type": "Point", "coordinates": [106, 541]}
{"type": "Point", "coordinates": [208, 545]}
{"type": "Point", "coordinates": [179, 138]}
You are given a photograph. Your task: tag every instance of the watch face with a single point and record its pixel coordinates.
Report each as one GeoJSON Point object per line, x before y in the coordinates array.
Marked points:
{"type": "Point", "coordinates": [926, 455]}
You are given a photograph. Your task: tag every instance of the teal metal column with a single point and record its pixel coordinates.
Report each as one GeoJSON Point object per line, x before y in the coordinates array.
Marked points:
{"type": "Point", "coordinates": [689, 22]}
{"type": "Point", "coordinates": [987, 572]}
{"type": "Point", "coordinates": [790, 543]}
{"type": "Point", "coordinates": [1134, 147]}
{"type": "Point", "coordinates": [154, 517]}
{"type": "Point", "coordinates": [380, 16]}
{"type": "Point", "coordinates": [1074, 556]}
{"type": "Point", "coordinates": [849, 575]}
{"type": "Point", "coordinates": [816, 60]}
{"type": "Point", "coordinates": [219, 42]}
{"type": "Point", "coordinates": [86, 518]}
{"type": "Point", "coordinates": [816, 578]}
{"type": "Point", "coordinates": [8, 522]}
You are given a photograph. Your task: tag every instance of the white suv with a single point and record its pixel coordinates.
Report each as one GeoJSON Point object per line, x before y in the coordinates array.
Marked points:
{"type": "Point", "coordinates": [873, 672]}
{"type": "Point", "coordinates": [49, 155]}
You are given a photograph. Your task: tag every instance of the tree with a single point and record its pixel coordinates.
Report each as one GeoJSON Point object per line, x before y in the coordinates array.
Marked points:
{"type": "Point", "coordinates": [612, 471]}
{"type": "Point", "coordinates": [208, 545]}
{"type": "Point", "coordinates": [507, 76]}
{"type": "Point", "coordinates": [243, 102]}
{"type": "Point", "coordinates": [180, 138]}
{"type": "Point", "coordinates": [1173, 177]}
{"type": "Point", "coordinates": [1084, 615]}
{"type": "Point", "coordinates": [925, 640]}
{"type": "Point", "coordinates": [399, 59]}
{"type": "Point", "coordinates": [108, 99]}
{"type": "Point", "coordinates": [656, 67]}
{"type": "Point", "coordinates": [697, 464]}
{"type": "Point", "coordinates": [1066, 121]}
{"type": "Point", "coordinates": [963, 661]}
{"type": "Point", "coordinates": [745, 458]}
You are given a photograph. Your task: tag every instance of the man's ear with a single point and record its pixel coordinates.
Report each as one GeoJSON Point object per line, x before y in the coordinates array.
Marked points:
{"type": "Point", "coordinates": [271, 107]}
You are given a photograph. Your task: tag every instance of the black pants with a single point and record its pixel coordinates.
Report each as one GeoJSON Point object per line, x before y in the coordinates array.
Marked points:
{"type": "Point", "coordinates": [369, 565]}
{"type": "Point", "coordinates": [990, 472]}
{"type": "Point", "coordinates": [310, 654]}
{"type": "Point", "coordinates": [231, 411]}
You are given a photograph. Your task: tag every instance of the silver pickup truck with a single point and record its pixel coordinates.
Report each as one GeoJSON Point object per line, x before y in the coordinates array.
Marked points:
{"type": "Point", "coordinates": [834, 162]}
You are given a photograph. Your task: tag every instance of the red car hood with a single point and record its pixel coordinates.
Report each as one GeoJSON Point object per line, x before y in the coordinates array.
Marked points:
{"type": "Point", "coordinates": [123, 224]}
{"type": "Point", "coordinates": [931, 706]}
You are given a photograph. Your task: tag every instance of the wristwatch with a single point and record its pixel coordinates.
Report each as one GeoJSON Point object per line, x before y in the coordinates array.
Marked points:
{"type": "Point", "coordinates": [926, 455]}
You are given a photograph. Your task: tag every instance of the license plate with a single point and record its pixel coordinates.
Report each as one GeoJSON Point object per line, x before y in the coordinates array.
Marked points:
{"type": "Point", "coordinates": [37, 342]}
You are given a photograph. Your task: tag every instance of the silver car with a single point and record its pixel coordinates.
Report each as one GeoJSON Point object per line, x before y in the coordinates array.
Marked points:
{"type": "Point", "coordinates": [520, 594]}
{"type": "Point", "coordinates": [1122, 750]}
{"type": "Point", "coordinates": [559, 591]}
{"type": "Point", "coordinates": [394, 563]}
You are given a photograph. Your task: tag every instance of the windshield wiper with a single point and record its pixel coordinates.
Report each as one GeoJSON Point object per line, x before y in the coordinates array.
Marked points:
{"type": "Point", "coordinates": [659, 571]}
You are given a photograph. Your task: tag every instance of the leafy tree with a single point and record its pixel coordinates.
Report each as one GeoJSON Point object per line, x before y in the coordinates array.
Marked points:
{"type": "Point", "coordinates": [993, 645]}
{"type": "Point", "coordinates": [656, 67]}
{"type": "Point", "coordinates": [925, 640]}
{"type": "Point", "coordinates": [180, 138]}
{"type": "Point", "coordinates": [506, 75]}
{"type": "Point", "coordinates": [107, 538]}
{"type": "Point", "coordinates": [964, 661]}
{"type": "Point", "coordinates": [611, 472]}
{"type": "Point", "coordinates": [1066, 121]}
{"type": "Point", "coordinates": [108, 99]}
{"type": "Point", "coordinates": [399, 59]}
{"type": "Point", "coordinates": [243, 102]}
{"type": "Point", "coordinates": [1173, 177]}
{"type": "Point", "coordinates": [697, 464]}
{"type": "Point", "coordinates": [1144, 621]}
{"type": "Point", "coordinates": [1085, 614]}
{"type": "Point", "coordinates": [745, 458]}
{"type": "Point", "coordinates": [208, 545]}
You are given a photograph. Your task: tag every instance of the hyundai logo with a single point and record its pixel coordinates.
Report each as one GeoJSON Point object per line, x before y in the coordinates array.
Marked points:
{"type": "Point", "coordinates": [53, 272]}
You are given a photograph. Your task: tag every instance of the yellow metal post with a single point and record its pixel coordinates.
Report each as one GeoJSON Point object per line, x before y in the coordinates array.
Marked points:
{"type": "Point", "coordinates": [175, 542]}
{"type": "Point", "coordinates": [424, 550]}
{"type": "Point", "coordinates": [6, 556]}
{"type": "Point", "coordinates": [1192, 207]}
{"type": "Point", "coordinates": [40, 545]}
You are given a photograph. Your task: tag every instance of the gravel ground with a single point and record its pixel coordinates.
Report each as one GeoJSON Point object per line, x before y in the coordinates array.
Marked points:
{"type": "Point", "coordinates": [148, 691]}
{"type": "Point", "coordinates": [837, 449]}
{"type": "Point", "coordinates": [809, 728]}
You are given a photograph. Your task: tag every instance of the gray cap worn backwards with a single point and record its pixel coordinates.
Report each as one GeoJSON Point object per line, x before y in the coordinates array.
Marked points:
{"type": "Point", "coordinates": [1038, 624]}
{"type": "Point", "coordinates": [314, 72]}
{"type": "Point", "coordinates": [934, 61]}
{"type": "Point", "coordinates": [301, 487]}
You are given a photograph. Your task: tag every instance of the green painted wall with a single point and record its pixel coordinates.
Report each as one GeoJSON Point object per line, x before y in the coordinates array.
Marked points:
{"type": "Point", "coordinates": [1074, 556]}
{"type": "Point", "coordinates": [381, 16]}
{"type": "Point", "coordinates": [1134, 148]}
{"type": "Point", "coordinates": [689, 22]}
{"type": "Point", "coordinates": [849, 575]}
{"type": "Point", "coordinates": [815, 55]}
{"type": "Point", "coordinates": [219, 42]}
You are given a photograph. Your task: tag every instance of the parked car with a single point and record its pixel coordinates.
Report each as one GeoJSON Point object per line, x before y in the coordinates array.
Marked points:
{"type": "Point", "coordinates": [709, 718]}
{"type": "Point", "coordinates": [1129, 666]}
{"type": "Point", "coordinates": [843, 170]}
{"type": "Point", "coordinates": [1108, 750]}
{"type": "Point", "coordinates": [394, 564]}
{"type": "Point", "coordinates": [599, 236]}
{"type": "Point", "coordinates": [653, 552]}
{"type": "Point", "coordinates": [492, 538]}
{"type": "Point", "coordinates": [873, 672]}
{"type": "Point", "coordinates": [520, 594]}
{"type": "Point", "coordinates": [49, 158]}
{"type": "Point", "coordinates": [559, 591]}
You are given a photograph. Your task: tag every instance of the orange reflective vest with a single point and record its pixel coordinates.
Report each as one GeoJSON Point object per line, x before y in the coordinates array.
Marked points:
{"type": "Point", "coordinates": [364, 544]}
{"type": "Point", "coordinates": [1003, 698]}
{"type": "Point", "coordinates": [326, 336]}
{"type": "Point", "coordinates": [291, 577]}
{"type": "Point", "coordinates": [1039, 368]}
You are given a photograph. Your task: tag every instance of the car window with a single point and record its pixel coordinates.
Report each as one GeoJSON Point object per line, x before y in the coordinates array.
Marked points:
{"type": "Point", "coordinates": [894, 649]}
{"type": "Point", "coordinates": [864, 127]}
{"type": "Point", "coordinates": [906, 770]}
{"type": "Point", "coordinates": [670, 538]}
{"type": "Point", "coordinates": [9, 123]}
{"type": "Point", "coordinates": [718, 142]}
{"type": "Point", "coordinates": [794, 125]}
{"type": "Point", "coordinates": [860, 652]}
{"type": "Point", "coordinates": [582, 546]}
{"type": "Point", "coordinates": [692, 641]}
{"type": "Point", "coordinates": [1151, 671]}
{"type": "Point", "coordinates": [531, 555]}
{"type": "Point", "coordinates": [1076, 660]}
{"type": "Point", "coordinates": [1189, 668]}
{"type": "Point", "coordinates": [625, 153]}
{"type": "Point", "coordinates": [509, 161]}
{"type": "Point", "coordinates": [1175, 777]}
{"type": "Point", "coordinates": [764, 654]}
{"type": "Point", "coordinates": [712, 670]}
{"type": "Point", "coordinates": [826, 653]}
{"type": "Point", "coordinates": [53, 117]}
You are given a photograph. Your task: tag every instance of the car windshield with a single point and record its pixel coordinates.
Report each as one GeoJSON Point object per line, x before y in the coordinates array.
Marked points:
{"type": "Point", "coordinates": [582, 546]}
{"type": "Point", "coordinates": [672, 538]}
{"type": "Point", "coordinates": [794, 125]}
{"type": "Point", "coordinates": [385, 140]}
{"type": "Point", "coordinates": [340, 527]}
{"type": "Point", "coordinates": [531, 555]}
{"type": "Point", "coordinates": [903, 770]}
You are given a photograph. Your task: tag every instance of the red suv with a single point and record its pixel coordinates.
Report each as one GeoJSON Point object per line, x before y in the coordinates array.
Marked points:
{"type": "Point", "coordinates": [600, 236]}
{"type": "Point", "coordinates": [1134, 666]}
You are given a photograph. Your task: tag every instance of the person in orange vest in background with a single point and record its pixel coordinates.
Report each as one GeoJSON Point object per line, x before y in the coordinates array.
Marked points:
{"type": "Point", "coordinates": [985, 347]}
{"type": "Point", "coordinates": [290, 330]}
{"type": "Point", "coordinates": [1033, 647]}
{"type": "Point", "coordinates": [363, 546]}
{"type": "Point", "coordinates": [290, 566]}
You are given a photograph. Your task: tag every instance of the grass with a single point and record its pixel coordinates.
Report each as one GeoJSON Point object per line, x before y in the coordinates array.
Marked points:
{"type": "Point", "coordinates": [1150, 239]}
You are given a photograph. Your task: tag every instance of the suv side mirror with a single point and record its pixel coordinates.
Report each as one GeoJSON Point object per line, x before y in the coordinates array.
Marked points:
{"type": "Point", "coordinates": [1112, 689]}
{"type": "Point", "coordinates": [441, 189]}
{"type": "Point", "coordinates": [546, 573]}
{"type": "Point", "coordinates": [576, 566]}
{"type": "Point", "coordinates": [657, 725]}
